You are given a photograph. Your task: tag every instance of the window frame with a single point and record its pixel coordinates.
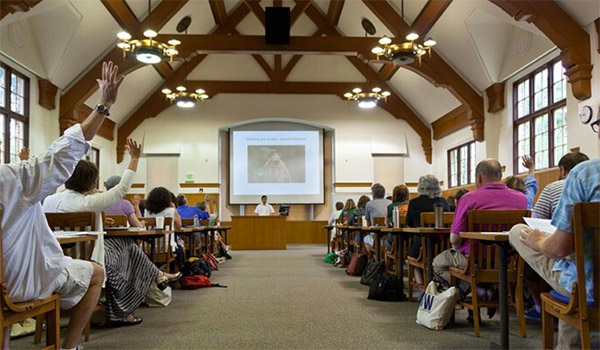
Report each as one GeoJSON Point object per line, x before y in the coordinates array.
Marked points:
{"type": "Point", "coordinates": [458, 163]}
{"type": "Point", "coordinates": [549, 110]}
{"type": "Point", "coordinates": [9, 114]}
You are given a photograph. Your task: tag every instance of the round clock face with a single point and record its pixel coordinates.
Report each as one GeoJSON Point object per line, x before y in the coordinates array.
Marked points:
{"type": "Point", "coordinates": [585, 114]}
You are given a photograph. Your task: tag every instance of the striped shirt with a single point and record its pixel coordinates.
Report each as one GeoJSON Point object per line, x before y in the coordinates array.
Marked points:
{"type": "Point", "coordinates": [548, 201]}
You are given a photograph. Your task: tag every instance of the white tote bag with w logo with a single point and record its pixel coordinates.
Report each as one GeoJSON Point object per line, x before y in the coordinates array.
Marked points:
{"type": "Point", "coordinates": [436, 308]}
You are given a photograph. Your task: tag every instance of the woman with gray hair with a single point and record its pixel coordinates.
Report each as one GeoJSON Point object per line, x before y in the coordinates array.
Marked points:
{"type": "Point", "coordinates": [430, 195]}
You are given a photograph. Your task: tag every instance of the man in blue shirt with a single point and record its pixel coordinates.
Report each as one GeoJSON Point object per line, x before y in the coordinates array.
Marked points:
{"type": "Point", "coordinates": [551, 255]}
{"type": "Point", "coordinates": [188, 212]}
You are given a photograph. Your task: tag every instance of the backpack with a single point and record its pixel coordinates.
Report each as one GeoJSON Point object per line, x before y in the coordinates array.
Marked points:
{"type": "Point", "coordinates": [373, 269]}
{"type": "Point", "coordinates": [357, 264]}
{"type": "Point", "coordinates": [197, 266]}
{"type": "Point", "coordinates": [197, 281]}
{"type": "Point", "coordinates": [212, 260]}
{"type": "Point", "coordinates": [330, 258]}
{"type": "Point", "coordinates": [386, 287]}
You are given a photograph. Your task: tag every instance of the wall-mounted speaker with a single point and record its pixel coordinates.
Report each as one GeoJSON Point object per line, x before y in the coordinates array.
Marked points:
{"type": "Point", "coordinates": [277, 25]}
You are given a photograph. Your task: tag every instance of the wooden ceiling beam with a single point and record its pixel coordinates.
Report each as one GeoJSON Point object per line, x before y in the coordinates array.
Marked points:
{"type": "Point", "coordinates": [435, 69]}
{"type": "Point", "coordinates": [275, 87]}
{"type": "Point", "coordinates": [12, 6]}
{"type": "Point", "coordinates": [289, 66]}
{"type": "Point", "coordinates": [429, 15]}
{"type": "Point", "coordinates": [255, 44]}
{"type": "Point", "coordinates": [451, 122]}
{"type": "Point", "coordinates": [334, 12]}
{"type": "Point", "coordinates": [297, 11]}
{"type": "Point", "coordinates": [388, 70]}
{"type": "Point", "coordinates": [395, 105]}
{"type": "Point", "coordinates": [257, 10]}
{"type": "Point", "coordinates": [572, 40]}
{"type": "Point", "coordinates": [124, 16]}
{"type": "Point", "coordinates": [219, 12]}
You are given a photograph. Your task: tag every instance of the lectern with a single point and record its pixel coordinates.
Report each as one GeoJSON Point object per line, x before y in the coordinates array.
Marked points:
{"type": "Point", "coordinates": [257, 233]}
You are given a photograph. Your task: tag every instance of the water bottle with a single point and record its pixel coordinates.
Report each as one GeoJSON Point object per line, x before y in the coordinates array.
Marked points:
{"type": "Point", "coordinates": [438, 211]}
{"type": "Point", "coordinates": [196, 221]}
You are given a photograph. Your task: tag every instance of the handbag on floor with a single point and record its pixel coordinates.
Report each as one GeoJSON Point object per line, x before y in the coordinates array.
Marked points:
{"type": "Point", "coordinates": [158, 298]}
{"type": "Point", "coordinates": [342, 259]}
{"type": "Point", "coordinates": [357, 264]}
{"type": "Point", "coordinates": [373, 269]}
{"type": "Point", "coordinates": [437, 307]}
{"type": "Point", "coordinates": [386, 287]}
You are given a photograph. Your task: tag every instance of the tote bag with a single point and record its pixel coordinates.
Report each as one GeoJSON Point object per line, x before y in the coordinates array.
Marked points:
{"type": "Point", "coordinates": [437, 307]}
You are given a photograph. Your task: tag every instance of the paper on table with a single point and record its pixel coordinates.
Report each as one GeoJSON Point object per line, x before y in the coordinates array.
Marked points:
{"type": "Point", "coordinates": [543, 225]}
{"type": "Point", "coordinates": [495, 233]}
{"type": "Point", "coordinates": [76, 233]}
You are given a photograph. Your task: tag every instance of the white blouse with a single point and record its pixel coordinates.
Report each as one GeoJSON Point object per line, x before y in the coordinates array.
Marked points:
{"type": "Point", "coordinates": [33, 259]}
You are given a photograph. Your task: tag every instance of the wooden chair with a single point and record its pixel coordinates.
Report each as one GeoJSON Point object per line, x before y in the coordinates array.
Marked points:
{"type": "Point", "coordinates": [193, 244]}
{"type": "Point", "coordinates": [420, 262]}
{"type": "Point", "coordinates": [392, 262]}
{"type": "Point", "coordinates": [115, 221]}
{"type": "Point", "coordinates": [71, 222]}
{"type": "Point", "coordinates": [577, 311]}
{"type": "Point", "coordinates": [482, 264]}
{"type": "Point", "coordinates": [11, 313]}
{"type": "Point", "coordinates": [164, 250]}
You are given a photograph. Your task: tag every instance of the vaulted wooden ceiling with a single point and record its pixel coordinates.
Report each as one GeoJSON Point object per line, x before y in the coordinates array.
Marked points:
{"type": "Point", "coordinates": [232, 18]}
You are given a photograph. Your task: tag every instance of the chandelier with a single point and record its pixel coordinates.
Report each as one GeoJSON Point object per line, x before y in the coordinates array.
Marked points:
{"type": "Point", "coordinates": [185, 99]}
{"type": "Point", "coordinates": [404, 53]}
{"type": "Point", "coordinates": [148, 50]}
{"type": "Point", "coordinates": [367, 99]}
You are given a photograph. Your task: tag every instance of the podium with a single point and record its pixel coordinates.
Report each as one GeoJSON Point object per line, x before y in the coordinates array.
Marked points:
{"type": "Point", "coordinates": [257, 233]}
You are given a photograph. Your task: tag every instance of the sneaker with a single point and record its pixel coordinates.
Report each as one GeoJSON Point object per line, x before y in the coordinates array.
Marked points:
{"type": "Point", "coordinates": [532, 314]}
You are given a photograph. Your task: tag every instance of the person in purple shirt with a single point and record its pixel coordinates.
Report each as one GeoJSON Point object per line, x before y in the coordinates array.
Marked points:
{"type": "Point", "coordinates": [188, 212]}
{"type": "Point", "coordinates": [123, 207]}
{"type": "Point", "coordinates": [491, 194]}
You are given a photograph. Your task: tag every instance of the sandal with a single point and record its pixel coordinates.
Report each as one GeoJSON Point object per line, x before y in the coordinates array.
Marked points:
{"type": "Point", "coordinates": [164, 282]}
{"type": "Point", "coordinates": [125, 323]}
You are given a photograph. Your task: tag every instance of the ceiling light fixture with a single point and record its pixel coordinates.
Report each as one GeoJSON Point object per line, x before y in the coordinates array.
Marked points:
{"type": "Point", "coordinates": [404, 53]}
{"type": "Point", "coordinates": [148, 50]}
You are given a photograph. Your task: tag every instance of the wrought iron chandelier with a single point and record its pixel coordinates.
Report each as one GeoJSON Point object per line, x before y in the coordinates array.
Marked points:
{"type": "Point", "coordinates": [185, 99]}
{"type": "Point", "coordinates": [367, 99]}
{"type": "Point", "coordinates": [148, 50]}
{"type": "Point", "coordinates": [406, 52]}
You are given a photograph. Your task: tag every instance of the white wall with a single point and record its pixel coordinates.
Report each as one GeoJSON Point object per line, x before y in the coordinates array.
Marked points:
{"type": "Point", "coordinates": [355, 129]}
{"type": "Point", "coordinates": [499, 126]}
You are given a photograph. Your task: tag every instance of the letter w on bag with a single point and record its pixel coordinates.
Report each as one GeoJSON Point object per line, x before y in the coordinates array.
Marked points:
{"type": "Point", "coordinates": [427, 302]}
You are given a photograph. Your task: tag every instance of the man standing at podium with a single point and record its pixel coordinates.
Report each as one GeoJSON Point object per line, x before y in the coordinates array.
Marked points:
{"type": "Point", "coordinates": [264, 209]}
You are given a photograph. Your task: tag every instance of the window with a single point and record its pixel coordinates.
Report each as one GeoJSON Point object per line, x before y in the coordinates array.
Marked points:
{"type": "Point", "coordinates": [461, 165]}
{"type": "Point", "coordinates": [540, 117]}
{"type": "Point", "coordinates": [14, 113]}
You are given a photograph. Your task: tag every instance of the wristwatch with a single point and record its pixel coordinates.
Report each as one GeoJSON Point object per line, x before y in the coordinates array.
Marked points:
{"type": "Point", "coordinates": [102, 109]}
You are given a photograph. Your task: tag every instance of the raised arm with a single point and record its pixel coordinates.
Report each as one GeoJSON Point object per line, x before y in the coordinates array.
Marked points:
{"type": "Point", "coordinates": [101, 201]}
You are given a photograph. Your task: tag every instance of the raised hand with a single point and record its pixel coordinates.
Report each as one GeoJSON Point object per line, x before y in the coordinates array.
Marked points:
{"type": "Point", "coordinates": [528, 163]}
{"type": "Point", "coordinates": [24, 154]}
{"type": "Point", "coordinates": [133, 148]}
{"type": "Point", "coordinates": [109, 84]}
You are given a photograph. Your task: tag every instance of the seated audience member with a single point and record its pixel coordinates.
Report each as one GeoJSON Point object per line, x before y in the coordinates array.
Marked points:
{"type": "Point", "coordinates": [430, 196]}
{"type": "Point", "coordinates": [377, 208]}
{"type": "Point", "coordinates": [161, 203]}
{"type": "Point", "coordinates": [348, 211]}
{"type": "Point", "coordinates": [543, 209]}
{"type": "Point", "coordinates": [203, 208]}
{"type": "Point", "coordinates": [400, 197]}
{"type": "Point", "coordinates": [264, 208]}
{"type": "Point", "coordinates": [129, 272]}
{"type": "Point", "coordinates": [210, 206]}
{"type": "Point", "coordinates": [139, 205]}
{"type": "Point", "coordinates": [361, 206]}
{"type": "Point", "coordinates": [188, 212]}
{"type": "Point", "coordinates": [452, 203]}
{"type": "Point", "coordinates": [491, 194]}
{"type": "Point", "coordinates": [339, 206]}
{"type": "Point", "coordinates": [551, 255]}
{"type": "Point", "coordinates": [458, 195]}
{"type": "Point", "coordinates": [34, 264]}
{"type": "Point", "coordinates": [529, 185]}
{"type": "Point", "coordinates": [122, 207]}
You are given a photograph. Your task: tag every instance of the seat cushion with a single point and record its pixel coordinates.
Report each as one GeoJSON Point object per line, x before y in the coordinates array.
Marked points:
{"type": "Point", "coordinates": [563, 299]}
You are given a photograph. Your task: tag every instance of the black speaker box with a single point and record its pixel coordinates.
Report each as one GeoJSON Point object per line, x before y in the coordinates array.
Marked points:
{"type": "Point", "coordinates": [277, 25]}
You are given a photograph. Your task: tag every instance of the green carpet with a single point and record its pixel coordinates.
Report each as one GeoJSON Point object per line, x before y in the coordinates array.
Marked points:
{"type": "Point", "coordinates": [291, 300]}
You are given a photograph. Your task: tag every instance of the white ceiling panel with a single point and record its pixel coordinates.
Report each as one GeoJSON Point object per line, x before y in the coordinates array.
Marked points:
{"type": "Point", "coordinates": [353, 13]}
{"type": "Point", "coordinates": [428, 101]}
{"type": "Point", "coordinates": [140, 7]}
{"type": "Point", "coordinates": [583, 11]}
{"type": "Point", "coordinates": [325, 68]}
{"type": "Point", "coordinates": [229, 67]}
{"type": "Point", "coordinates": [250, 26]}
{"type": "Point", "coordinates": [202, 18]}
{"type": "Point", "coordinates": [135, 88]}
{"type": "Point", "coordinates": [412, 8]}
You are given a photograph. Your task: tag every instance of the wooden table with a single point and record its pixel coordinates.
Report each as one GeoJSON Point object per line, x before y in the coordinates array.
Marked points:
{"type": "Point", "coordinates": [70, 242]}
{"type": "Point", "coordinates": [328, 229]}
{"type": "Point", "coordinates": [501, 240]}
{"type": "Point", "coordinates": [430, 233]}
{"type": "Point", "coordinates": [144, 235]}
{"type": "Point", "coordinates": [76, 239]}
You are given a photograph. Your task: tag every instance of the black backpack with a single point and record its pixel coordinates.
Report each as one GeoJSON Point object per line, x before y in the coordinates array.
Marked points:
{"type": "Point", "coordinates": [372, 270]}
{"type": "Point", "coordinates": [386, 287]}
{"type": "Point", "coordinates": [197, 267]}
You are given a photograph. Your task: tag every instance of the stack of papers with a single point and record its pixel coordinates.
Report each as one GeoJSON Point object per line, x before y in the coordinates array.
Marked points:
{"type": "Point", "coordinates": [543, 225]}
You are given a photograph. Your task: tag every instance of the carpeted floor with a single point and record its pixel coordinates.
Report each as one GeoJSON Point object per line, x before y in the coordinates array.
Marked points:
{"type": "Point", "coordinates": [290, 299]}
